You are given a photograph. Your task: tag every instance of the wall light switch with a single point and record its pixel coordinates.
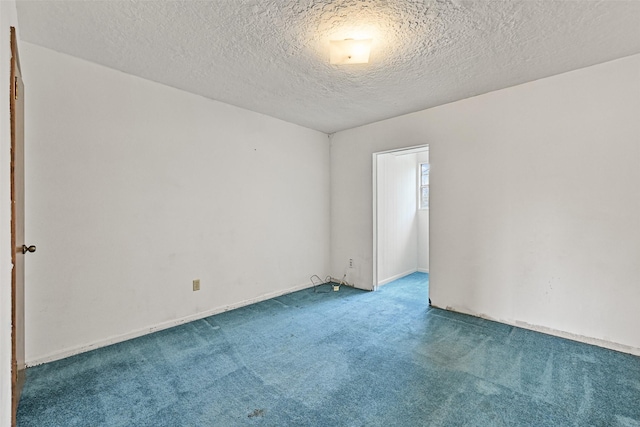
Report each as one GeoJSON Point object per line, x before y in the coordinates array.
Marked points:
{"type": "Point", "coordinates": [196, 285]}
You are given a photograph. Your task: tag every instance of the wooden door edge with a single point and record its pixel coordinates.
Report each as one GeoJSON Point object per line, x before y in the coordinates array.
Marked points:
{"type": "Point", "coordinates": [17, 375]}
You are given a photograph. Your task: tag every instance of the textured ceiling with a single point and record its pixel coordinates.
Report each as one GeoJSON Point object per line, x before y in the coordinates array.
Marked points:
{"type": "Point", "coordinates": [273, 56]}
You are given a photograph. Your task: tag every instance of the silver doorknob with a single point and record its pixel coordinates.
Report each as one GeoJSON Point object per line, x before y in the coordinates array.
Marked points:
{"type": "Point", "coordinates": [26, 249]}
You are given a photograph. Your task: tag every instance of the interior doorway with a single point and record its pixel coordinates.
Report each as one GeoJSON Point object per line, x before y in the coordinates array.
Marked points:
{"type": "Point", "coordinates": [400, 213]}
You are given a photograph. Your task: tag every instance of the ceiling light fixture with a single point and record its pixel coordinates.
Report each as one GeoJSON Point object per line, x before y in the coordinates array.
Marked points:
{"type": "Point", "coordinates": [349, 51]}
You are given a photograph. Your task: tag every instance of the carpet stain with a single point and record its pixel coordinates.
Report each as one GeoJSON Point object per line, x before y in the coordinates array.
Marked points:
{"type": "Point", "coordinates": [256, 413]}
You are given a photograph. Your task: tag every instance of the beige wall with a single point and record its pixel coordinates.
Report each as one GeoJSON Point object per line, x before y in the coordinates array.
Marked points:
{"type": "Point", "coordinates": [135, 189]}
{"type": "Point", "coordinates": [535, 202]}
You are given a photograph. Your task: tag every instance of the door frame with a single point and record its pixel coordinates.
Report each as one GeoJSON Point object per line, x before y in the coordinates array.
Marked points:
{"type": "Point", "coordinates": [406, 150]}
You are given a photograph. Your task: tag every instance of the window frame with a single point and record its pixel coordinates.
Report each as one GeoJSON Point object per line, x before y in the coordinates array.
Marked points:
{"type": "Point", "coordinates": [421, 186]}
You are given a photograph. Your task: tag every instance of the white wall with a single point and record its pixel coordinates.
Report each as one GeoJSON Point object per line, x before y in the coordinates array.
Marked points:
{"type": "Point", "coordinates": [397, 216]}
{"type": "Point", "coordinates": [8, 18]}
{"type": "Point", "coordinates": [135, 189]}
{"type": "Point", "coordinates": [535, 202]}
{"type": "Point", "coordinates": [423, 226]}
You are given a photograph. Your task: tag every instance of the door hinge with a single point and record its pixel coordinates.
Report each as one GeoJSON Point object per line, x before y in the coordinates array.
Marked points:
{"type": "Point", "coordinates": [15, 87]}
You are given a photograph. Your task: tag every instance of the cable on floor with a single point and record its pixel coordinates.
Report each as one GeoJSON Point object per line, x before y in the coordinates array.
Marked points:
{"type": "Point", "coordinates": [335, 283]}
{"type": "Point", "coordinates": [316, 281]}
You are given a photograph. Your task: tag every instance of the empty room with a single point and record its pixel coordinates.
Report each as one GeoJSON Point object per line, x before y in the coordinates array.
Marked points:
{"type": "Point", "coordinates": [320, 213]}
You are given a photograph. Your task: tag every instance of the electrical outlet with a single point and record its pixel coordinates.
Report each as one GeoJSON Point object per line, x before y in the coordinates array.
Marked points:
{"type": "Point", "coordinates": [350, 262]}
{"type": "Point", "coordinates": [196, 285]}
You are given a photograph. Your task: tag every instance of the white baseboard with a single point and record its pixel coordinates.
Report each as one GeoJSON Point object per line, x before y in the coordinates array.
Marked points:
{"type": "Point", "coordinates": [423, 270]}
{"type": "Point", "coordinates": [396, 277]}
{"type": "Point", "coordinates": [581, 338]}
{"type": "Point", "coordinates": [555, 332]}
{"type": "Point", "coordinates": [159, 327]}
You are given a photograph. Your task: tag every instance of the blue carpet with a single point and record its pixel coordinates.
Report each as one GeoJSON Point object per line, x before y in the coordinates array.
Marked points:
{"type": "Point", "coordinates": [348, 358]}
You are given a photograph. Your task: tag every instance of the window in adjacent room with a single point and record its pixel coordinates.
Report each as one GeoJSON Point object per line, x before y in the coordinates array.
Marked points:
{"type": "Point", "coordinates": [424, 186]}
